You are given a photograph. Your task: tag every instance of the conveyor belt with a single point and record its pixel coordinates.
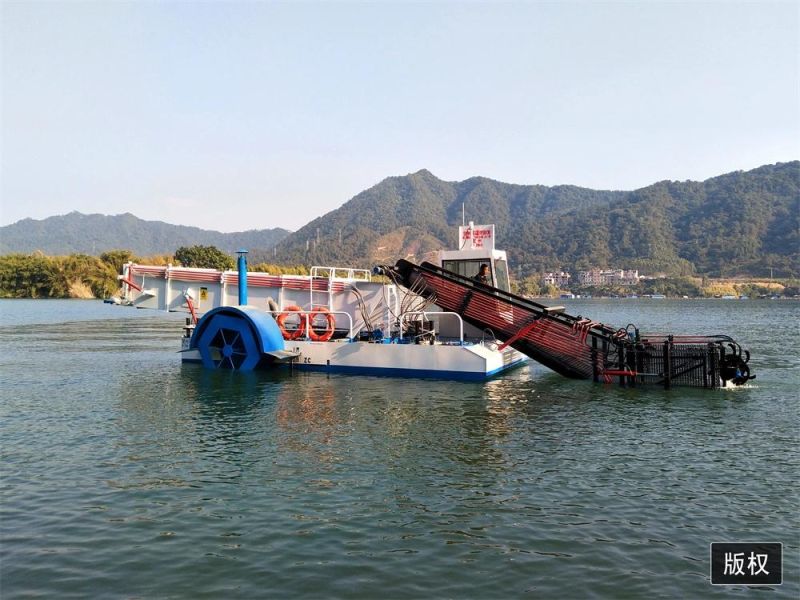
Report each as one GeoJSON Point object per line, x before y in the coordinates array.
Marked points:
{"type": "Point", "coordinates": [575, 346]}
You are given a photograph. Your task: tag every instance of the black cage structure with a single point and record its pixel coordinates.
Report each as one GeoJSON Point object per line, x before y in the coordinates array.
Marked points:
{"type": "Point", "coordinates": [575, 346]}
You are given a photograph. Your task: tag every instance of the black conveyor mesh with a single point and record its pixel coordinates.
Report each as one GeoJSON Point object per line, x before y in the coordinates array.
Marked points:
{"type": "Point", "coordinates": [575, 346]}
{"type": "Point", "coordinates": [559, 341]}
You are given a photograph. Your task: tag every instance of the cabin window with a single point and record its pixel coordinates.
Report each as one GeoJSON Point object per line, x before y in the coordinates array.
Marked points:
{"type": "Point", "coordinates": [501, 275]}
{"type": "Point", "coordinates": [469, 268]}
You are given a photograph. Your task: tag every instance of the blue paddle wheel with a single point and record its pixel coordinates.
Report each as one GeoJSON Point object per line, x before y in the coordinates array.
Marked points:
{"type": "Point", "coordinates": [237, 338]}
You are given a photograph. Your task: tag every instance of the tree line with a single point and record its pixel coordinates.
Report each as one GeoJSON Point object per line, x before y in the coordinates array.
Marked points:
{"type": "Point", "coordinates": [82, 276]}
{"type": "Point", "coordinates": [75, 275]}
{"type": "Point", "coordinates": [672, 287]}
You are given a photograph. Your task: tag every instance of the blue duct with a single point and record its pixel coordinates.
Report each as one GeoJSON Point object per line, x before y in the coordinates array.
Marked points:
{"type": "Point", "coordinates": [242, 277]}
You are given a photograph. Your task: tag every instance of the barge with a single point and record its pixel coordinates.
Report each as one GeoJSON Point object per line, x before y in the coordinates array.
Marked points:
{"type": "Point", "coordinates": [454, 318]}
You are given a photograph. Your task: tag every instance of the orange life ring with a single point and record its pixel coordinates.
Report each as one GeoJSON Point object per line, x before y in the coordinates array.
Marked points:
{"type": "Point", "coordinates": [330, 325]}
{"type": "Point", "coordinates": [301, 327]}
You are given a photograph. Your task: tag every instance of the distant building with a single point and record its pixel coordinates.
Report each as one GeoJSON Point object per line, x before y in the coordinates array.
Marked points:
{"type": "Point", "coordinates": [558, 279]}
{"type": "Point", "coordinates": [590, 278]}
{"type": "Point", "coordinates": [595, 277]}
{"type": "Point", "coordinates": [622, 277]}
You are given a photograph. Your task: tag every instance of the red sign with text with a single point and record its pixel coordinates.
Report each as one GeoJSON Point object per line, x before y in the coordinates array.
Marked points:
{"type": "Point", "coordinates": [476, 236]}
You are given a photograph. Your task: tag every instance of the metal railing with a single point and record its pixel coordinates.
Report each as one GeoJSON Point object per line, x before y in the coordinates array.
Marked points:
{"type": "Point", "coordinates": [335, 273]}
{"type": "Point", "coordinates": [307, 316]}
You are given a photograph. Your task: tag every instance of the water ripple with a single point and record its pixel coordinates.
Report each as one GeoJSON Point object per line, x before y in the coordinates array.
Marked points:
{"type": "Point", "coordinates": [126, 473]}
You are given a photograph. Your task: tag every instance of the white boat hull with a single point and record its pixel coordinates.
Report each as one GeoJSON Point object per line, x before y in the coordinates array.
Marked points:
{"type": "Point", "coordinates": [471, 362]}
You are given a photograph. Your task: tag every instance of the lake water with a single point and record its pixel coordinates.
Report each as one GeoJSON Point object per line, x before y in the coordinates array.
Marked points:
{"type": "Point", "coordinates": [125, 474]}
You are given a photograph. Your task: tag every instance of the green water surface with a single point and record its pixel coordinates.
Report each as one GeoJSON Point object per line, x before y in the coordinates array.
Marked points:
{"type": "Point", "coordinates": [127, 475]}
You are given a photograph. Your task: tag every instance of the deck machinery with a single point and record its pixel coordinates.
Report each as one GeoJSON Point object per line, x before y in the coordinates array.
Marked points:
{"type": "Point", "coordinates": [575, 346]}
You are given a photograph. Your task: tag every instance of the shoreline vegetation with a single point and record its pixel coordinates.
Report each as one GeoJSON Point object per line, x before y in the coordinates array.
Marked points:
{"type": "Point", "coordinates": [82, 276]}
{"type": "Point", "coordinates": [673, 287]}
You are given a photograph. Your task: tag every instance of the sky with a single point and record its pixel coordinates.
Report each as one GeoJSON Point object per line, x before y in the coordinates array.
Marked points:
{"type": "Point", "coordinates": [251, 115]}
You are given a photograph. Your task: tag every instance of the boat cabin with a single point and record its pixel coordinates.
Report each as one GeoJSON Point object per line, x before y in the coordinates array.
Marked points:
{"type": "Point", "coordinates": [475, 248]}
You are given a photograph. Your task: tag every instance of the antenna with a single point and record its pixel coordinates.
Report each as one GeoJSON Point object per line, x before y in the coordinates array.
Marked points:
{"type": "Point", "coordinates": [463, 223]}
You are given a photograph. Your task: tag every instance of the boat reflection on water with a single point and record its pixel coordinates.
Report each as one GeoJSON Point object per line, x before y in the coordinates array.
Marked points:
{"type": "Point", "coordinates": [301, 419]}
{"type": "Point", "coordinates": [505, 400]}
{"type": "Point", "coordinates": [308, 419]}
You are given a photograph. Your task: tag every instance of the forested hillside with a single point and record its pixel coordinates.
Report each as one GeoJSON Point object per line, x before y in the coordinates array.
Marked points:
{"type": "Point", "coordinates": [94, 234]}
{"type": "Point", "coordinates": [742, 223]}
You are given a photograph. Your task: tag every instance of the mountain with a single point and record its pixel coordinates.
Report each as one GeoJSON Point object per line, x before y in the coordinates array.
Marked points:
{"type": "Point", "coordinates": [424, 206]}
{"type": "Point", "coordinates": [741, 223]}
{"type": "Point", "coordinates": [93, 234]}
